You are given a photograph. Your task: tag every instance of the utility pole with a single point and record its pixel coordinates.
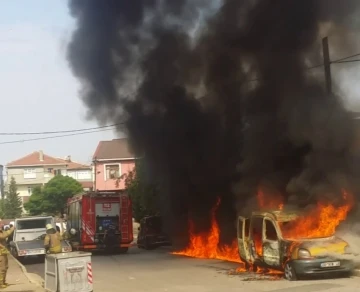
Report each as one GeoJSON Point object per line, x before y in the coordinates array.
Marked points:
{"type": "Point", "coordinates": [327, 65]}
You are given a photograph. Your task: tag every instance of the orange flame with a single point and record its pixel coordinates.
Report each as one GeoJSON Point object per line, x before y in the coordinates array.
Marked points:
{"type": "Point", "coordinates": [206, 245]}
{"type": "Point", "coordinates": [320, 222]}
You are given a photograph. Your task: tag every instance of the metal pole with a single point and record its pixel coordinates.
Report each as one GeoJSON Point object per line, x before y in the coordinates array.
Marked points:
{"type": "Point", "coordinates": [327, 65]}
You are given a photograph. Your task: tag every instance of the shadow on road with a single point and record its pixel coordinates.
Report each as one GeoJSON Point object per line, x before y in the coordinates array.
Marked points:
{"type": "Point", "coordinates": [27, 261]}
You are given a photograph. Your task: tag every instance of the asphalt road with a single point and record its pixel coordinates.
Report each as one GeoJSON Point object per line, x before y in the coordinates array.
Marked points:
{"type": "Point", "coordinates": [158, 270]}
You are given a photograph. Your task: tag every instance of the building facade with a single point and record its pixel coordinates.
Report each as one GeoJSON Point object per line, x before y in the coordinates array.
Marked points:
{"type": "Point", "coordinates": [37, 168]}
{"type": "Point", "coordinates": [111, 160]}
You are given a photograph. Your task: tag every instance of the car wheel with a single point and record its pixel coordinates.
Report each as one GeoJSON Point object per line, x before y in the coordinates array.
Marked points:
{"type": "Point", "coordinates": [14, 253]}
{"type": "Point", "coordinates": [289, 272]}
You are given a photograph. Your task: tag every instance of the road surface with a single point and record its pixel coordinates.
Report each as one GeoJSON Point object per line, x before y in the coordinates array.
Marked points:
{"type": "Point", "coordinates": [155, 271]}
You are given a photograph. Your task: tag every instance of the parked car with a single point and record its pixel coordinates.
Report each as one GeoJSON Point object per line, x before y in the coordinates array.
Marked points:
{"type": "Point", "coordinates": [28, 237]}
{"type": "Point", "coordinates": [151, 234]}
{"type": "Point", "coordinates": [262, 244]}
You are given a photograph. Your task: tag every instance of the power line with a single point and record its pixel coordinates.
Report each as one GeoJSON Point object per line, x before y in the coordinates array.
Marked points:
{"type": "Point", "coordinates": [346, 61]}
{"type": "Point", "coordinates": [61, 132]}
{"type": "Point", "coordinates": [52, 137]}
{"type": "Point", "coordinates": [345, 58]}
{"type": "Point", "coordinates": [339, 61]}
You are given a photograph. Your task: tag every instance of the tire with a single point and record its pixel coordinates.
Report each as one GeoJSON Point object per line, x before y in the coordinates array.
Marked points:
{"type": "Point", "coordinates": [14, 253]}
{"type": "Point", "coordinates": [289, 272]}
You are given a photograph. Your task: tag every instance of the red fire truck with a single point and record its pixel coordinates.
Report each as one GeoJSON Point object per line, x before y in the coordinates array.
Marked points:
{"type": "Point", "coordinates": [100, 220]}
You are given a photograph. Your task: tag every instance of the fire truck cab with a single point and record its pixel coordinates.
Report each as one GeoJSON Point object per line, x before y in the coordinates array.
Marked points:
{"type": "Point", "coordinates": [100, 220]}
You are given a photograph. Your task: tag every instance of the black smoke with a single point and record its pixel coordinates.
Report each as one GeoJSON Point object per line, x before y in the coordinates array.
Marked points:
{"type": "Point", "coordinates": [218, 98]}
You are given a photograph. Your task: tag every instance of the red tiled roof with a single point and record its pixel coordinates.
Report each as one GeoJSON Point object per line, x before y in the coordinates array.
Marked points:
{"type": "Point", "coordinates": [116, 148]}
{"type": "Point", "coordinates": [33, 159]}
{"type": "Point", "coordinates": [75, 165]}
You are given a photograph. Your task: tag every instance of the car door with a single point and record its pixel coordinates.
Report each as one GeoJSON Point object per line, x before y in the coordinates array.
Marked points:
{"type": "Point", "coordinates": [271, 244]}
{"type": "Point", "coordinates": [243, 238]}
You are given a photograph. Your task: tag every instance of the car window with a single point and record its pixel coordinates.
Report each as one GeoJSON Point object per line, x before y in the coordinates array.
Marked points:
{"type": "Point", "coordinates": [33, 224]}
{"type": "Point", "coordinates": [270, 231]}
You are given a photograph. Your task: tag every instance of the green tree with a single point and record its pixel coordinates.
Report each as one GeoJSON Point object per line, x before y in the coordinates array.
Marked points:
{"type": "Point", "coordinates": [35, 204]}
{"type": "Point", "coordinates": [52, 198]}
{"type": "Point", "coordinates": [12, 203]}
{"type": "Point", "coordinates": [142, 193]}
{"type": "Point", "coordinates": [2, 208]}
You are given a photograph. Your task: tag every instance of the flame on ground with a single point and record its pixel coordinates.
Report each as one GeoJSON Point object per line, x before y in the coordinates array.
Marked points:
{"type": "Point", "coordinates": [206, 245]}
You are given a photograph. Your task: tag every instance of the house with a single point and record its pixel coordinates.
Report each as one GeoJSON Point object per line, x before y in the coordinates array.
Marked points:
{"type": "Point", "coordinates": [37, 168]}
{"type": "Point", "coordinates": [111, 160]}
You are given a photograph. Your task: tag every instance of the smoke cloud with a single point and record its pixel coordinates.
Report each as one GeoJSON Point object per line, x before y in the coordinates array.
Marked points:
{"type": "Point", "coordinates": [218, 97]}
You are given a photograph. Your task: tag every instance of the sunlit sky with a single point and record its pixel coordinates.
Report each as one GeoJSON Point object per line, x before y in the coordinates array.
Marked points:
{"type": "Point", "coordinates": [38, 90]}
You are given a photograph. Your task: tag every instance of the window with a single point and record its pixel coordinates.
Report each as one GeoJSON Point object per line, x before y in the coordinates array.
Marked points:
{"type": "Point", "coordinates": [256, 232]}
{"type": "Point", "coordinates": [112, 171]}
{"type": "Point", "coordinates": [71, 174]}
{"type": "Point", "coordinates": [29, 173]}
{"type": "Point", "coordinates": [84, 175]}
{"type": "Point", "coordinates": [270, 231]}
{"type": "Point", "coordinates": [256, 227]}
{"type": "Point", "coordinates": [30, 189]}
{"type": "Point", "coordinates": [33, 224]}
{"type": "Point", "coordinates": [50, 170]}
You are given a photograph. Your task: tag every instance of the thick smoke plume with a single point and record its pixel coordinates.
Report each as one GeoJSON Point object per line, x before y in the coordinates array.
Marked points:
{"type": "Point", "coordinates": [218, 97]}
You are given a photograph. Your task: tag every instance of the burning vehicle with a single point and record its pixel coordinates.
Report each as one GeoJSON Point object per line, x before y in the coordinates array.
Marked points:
{"type": "Point", "coordinates": [277, 240]}
{"type": "Point", "coordinates": [228, 101]}
{"type": "Point", "coordinates": [264, 241]}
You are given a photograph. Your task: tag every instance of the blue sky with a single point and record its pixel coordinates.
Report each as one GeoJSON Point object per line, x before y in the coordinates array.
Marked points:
{"type": "Point", "coordinates": [38, 90]}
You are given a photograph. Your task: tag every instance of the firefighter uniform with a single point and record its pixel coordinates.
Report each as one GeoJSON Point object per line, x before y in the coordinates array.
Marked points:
{"type": "Point", "coordinates": [4, 265]}
{"type": "Point", "coordinates": [52, 241]}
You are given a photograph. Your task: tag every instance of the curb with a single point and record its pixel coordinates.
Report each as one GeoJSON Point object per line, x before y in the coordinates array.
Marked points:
{"type": "Point", "coordinates": [23, 269]}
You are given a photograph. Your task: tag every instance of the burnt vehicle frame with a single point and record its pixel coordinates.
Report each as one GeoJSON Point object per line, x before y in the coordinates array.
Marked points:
{"type": "Point", "coordinates": [151, 234]}
{"type": "Point", "coordinates": [297, 258]}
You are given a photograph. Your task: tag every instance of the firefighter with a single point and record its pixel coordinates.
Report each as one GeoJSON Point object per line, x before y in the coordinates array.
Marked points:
{"type": "Point", "coordinates": [58, 231]}
{"type": "Point", "coordinates": [52, 241]}
{"type": "Point", "coordinates": [4, 256]}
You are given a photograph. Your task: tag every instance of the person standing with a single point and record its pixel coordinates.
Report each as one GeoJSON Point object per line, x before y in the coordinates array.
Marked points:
{"type": "Point", "coordinates": [52, 241]}
{"type": "Point", "coordinates": [4, 264]}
